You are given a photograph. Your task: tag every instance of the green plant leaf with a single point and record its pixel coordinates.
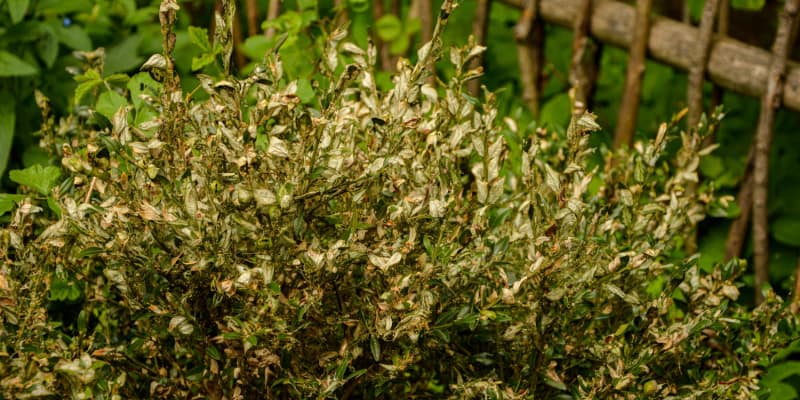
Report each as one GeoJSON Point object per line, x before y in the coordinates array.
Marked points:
{"type": "Point", "coordinates": [359, 6]}
{"type": "Point", "coordinates": [202, 60]}
{"type": "Point", "coordinates": [255, 47]}
{"type": "Point", "coordinates": [7, 121]}
{"type": "Point", "coordinates": [37, 177]}
{"type": "Point", "coordinates": [11, 65]}
{"type": "Point", "coordinates": [87, 82]}
{"type": "Point", "coordinates": [109, 102]}
{"type": "Point", "coordinates": [750, 5]}
{"type": "Point", "coordinates": [8, 201]}
{"type": "Point", "coordinates": [73, 37]}
{"type": "Point", "coordinates": [787, 230]}
{"type": "Point", "coordinates": [304, 90]}
{"type": "Point", "coordinates": [199, 36]}
{"type": "Point", "coordinates": [124, 56]}
{"type": "Point", "coordinates": [389, 27]}
{"type": "Point", "coordinates": [17, 9]}
{"type": "Point", "coordinates": [555, 113]}
{"type": "Point", "coordinates": [48, 47]}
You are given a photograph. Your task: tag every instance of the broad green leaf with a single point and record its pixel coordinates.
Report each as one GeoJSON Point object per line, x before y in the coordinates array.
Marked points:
{"type": "Point", "coordinates": [17, 9]}
{"type": "Point", "coordinates": [202, 60]}
{"type": "Point", "coordinates": [124, 56]}
{"type": "Point", "coordinates": [752, 5]}
{"type": "Point", "coordinates": [73, 37]}
{"type": "Point", "coordinates": [88, 81]}
{"type": "Point", "coordinates": [781, 371]}
{"type": "Point", "coordinates": [48, 47]}
{"type": "Point", "coordinates": [389, 27]}
{"type": "Point", "coordinates": [400, 45]}
{"type": "Point", "coordinates": [199, 36]}
{"type": "Point", "coordinates": [255, 47]}
{"type": "Point", "coordinates": [52, 204]}
{"type": "Point", "coordinates": [787, 230]}
{"type": "Point", "coordinates": [37, 177]}
{"type": "Point", "coordinates": [359, 6]}
{"type": "Point", "coordinates": [7, 201]}
{"type": "Point", "coordinates": [52, 7]}
{"type": "Point", "coordinates": [306, 4]}
{"type": "Point", "coordinates": [555, 113]}
{"type": "Point", "coordinates": [11, 65]}
{"type": "Point", "coordinates": [7, 121]}
{"type": "Point", "coordinates": [304, 90]}
{"type": "Point", "coordinates": [712, 166]}
{"type": "Point", "coordinates": [109, 102]}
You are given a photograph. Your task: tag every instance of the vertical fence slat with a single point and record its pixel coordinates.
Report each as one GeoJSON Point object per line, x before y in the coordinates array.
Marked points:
{"type": "Point", "coordinates": [479, 29]}
{"type": "Point", "coordinates": [583, 68]}
{"type": "Point", "coordinates": [697, 71]}
{"type": "Point", "coordinates": [273, 10]}
{"type": "Point", "coordinates": [763, 142]}
{"type": "Point", "coordinates": [529, 35]}
{"type": "Point", "coordinates": [694, 90]}
{"type": "Point", "coordinates": [629, 108]}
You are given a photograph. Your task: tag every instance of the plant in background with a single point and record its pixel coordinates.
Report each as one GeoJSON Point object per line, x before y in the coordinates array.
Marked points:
{"type": "Point", "coordinates": [369, 244]}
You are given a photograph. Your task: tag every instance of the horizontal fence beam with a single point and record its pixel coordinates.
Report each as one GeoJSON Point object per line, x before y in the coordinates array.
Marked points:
{"type": "Point", "coordinates": [734, 65]}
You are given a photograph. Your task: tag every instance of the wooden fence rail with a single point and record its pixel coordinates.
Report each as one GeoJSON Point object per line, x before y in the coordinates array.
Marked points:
{"type": "Point", "coordinates": [734, 65]}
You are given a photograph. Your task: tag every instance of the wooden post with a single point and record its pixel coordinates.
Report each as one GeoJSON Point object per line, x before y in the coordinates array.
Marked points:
{"type": "Point", "coordinates": [763, 142]}
{"type": "Point", "coordinates": [628, 110]}
{"type": "Point", "coordinates": [479, 29]}
{"type": "Point", "coordinates": [530, 37]}
{"type": "Point", "coordinates": [583, 67]}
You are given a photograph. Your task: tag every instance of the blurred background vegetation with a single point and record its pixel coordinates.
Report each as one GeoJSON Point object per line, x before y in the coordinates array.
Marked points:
{"type": "Point", "coordinates": [38, 37]}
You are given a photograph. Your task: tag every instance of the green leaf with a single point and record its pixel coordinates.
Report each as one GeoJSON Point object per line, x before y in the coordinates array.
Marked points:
{"type": "Point", "coordinates": [712, 166]}
{"type": "Point", "coordinates": [124, 56]}
{"type": "Point", "coordinates": [61, 6]}
{"type": "Point", "coordinates": [389, 27]}
{"type": "Point", "coordinates": [73, 37]}
{"type": "Point", "coordinates": [781, 371]}
{"type": "Point", "coordinates": [48, 47]}
{"type": "Point", "coordinates": [202, 60]}
{"type": "Point", "coordinates": [7, 121]}
{"type": "Point", "coordinates": [88, 81]}
{"type": "Point", "coordinates": [556, 112]}
{"type": "Point", "coordinates": [17, 9]}
{"type": "Point", "coordinates": [109, 102]}
{"type": "Point", "coordinates": [11, 65]}
{"type": "Point", "coordinates": [400, 45]}
{"type": "Point", "coordinates": [787, 230]}
{"type": "Point", "coordinates": [37, 177]}
{"type": "Point", "coordinates": [751, 5]}
{"type": "Point", "coordinates": [359, 6]}
{"type": "Point", "coordinates": [8, 201]}
{"type": "Point", "coordinates": [304, 91]}
{"type": "Point", "coordinates": [255, 47]}
{"type": "Point", "coordinates": [52, 204]}
{"type": "Point", "coordinates": [199, 36]}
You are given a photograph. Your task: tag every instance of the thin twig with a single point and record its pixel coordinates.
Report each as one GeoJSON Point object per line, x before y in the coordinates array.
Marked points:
{"type": "Point", "coordinates": [479, 30]}
{"type": "Point", "coordinates": [626, 122]}
{"type": "Point", "coordinates": [738, 230]}
{"type": "Point", "coordinates": [795, 306]}
{"type": "Point", "coordinates": [763, 143]}
{"type": "Point", "coordinates": [425, 11]}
